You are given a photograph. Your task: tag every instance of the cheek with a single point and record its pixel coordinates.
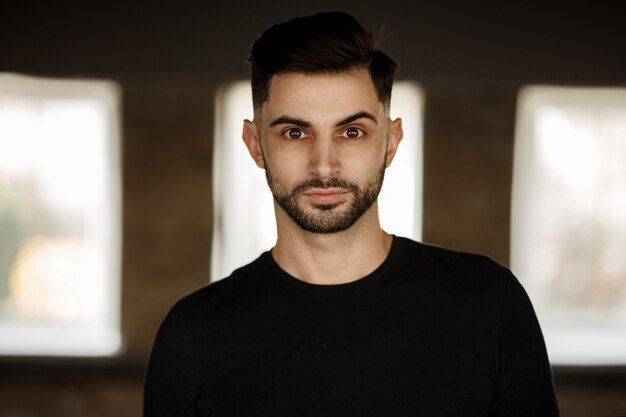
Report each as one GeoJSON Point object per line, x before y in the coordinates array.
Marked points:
{"type": "Point", "coordinates": [365, 161]}
{"type": "Point", "coordinates": [288, 169]}
{"type": "Point", "coordinates": [358, 163]}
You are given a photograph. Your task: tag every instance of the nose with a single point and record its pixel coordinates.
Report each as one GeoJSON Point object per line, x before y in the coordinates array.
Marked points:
{"type": "Point", "coordinates": [324, 158]}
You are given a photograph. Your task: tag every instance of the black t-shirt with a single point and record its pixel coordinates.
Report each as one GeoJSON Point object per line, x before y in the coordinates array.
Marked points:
{"type": "Point", "coordinates": [430, 332]}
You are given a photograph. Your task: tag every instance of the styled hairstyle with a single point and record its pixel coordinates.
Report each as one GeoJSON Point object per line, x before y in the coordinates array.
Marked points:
{"type": "Point", "coordinates": [325, 43]}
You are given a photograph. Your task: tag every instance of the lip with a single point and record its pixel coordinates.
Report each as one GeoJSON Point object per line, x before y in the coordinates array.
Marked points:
{"type": "Point", "coordinates": [326, 195]}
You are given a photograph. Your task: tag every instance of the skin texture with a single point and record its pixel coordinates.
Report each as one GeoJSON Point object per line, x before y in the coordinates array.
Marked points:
{"type": "Point", "coordinates": [324, 142]}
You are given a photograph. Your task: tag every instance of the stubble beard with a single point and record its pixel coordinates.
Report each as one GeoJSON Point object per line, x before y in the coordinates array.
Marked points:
{"type": "Point", "coordinates": [326, 218]}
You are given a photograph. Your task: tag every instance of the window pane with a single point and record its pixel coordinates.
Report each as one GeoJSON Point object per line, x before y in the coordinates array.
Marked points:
{"type": "Point", "coordinates": [59, 217]}
{"type": "Point", "coordinates": [240, 233]}
{"type": "Point", "coordinates": [569, 219]}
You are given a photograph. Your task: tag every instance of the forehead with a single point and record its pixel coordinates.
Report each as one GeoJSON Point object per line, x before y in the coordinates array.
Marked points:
{"type": "Point", "coordinates": [321, 94]}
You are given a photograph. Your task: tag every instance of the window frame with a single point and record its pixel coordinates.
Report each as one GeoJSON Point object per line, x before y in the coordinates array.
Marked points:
{"type": "Point", "coordinates": [108, 94]}
{"type": "Point", "coordinates": [523, 215]}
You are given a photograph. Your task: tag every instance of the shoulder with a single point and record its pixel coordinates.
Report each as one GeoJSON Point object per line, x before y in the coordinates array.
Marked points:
{"type": "Point", "coordinates": [439, 260]}
{"type": "Point", "coordinates": [222, 294]}
{"type": "Point", "coordinates": [463, 277]}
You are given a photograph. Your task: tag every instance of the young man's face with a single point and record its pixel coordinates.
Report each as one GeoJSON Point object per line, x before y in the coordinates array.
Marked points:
{"type": "Point", "coordinates": [324, 142]}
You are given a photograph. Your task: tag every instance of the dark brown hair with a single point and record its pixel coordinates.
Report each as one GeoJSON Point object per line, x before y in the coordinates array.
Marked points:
{"type": "Point", "coordinates": [325, 43]}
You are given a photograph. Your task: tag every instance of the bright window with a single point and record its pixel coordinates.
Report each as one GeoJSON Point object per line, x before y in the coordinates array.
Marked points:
{"type": "Point", "coordinates": [59, 217]}
{"type": "Point", "coordinates": [243, 207]}
{"type": "Point", "coordinates": [569, 219]}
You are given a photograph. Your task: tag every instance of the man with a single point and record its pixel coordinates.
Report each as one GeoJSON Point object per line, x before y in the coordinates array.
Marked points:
{"type": "Point", "coordinates": [340, 318]}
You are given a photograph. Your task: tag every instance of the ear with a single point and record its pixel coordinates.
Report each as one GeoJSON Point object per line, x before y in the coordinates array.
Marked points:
{"type": "Point", "coordinates": [253, 142]}
{"type": "Point", "coordinates": [394, 137]}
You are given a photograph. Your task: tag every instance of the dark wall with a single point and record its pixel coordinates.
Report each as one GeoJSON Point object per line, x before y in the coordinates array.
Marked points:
{"type": "Point", "coordinates": [470, 61]}
{"type": "Point", "coordinates": [562, 42]}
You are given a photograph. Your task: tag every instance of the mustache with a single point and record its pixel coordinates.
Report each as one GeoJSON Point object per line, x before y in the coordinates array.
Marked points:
{"type": "Point", "coordinates": [324, 184]}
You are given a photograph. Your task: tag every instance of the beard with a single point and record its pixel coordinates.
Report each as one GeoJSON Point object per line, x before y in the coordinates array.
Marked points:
{"type": "Point", "coordinates": [326, 218]}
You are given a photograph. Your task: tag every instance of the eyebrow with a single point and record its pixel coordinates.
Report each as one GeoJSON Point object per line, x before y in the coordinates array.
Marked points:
{"type": "Point", "coordinates": [357, 116]}
{"type": "Point", "coordinates": [286, 120]}
{"type": "Point", "coordinates": [283, 120]}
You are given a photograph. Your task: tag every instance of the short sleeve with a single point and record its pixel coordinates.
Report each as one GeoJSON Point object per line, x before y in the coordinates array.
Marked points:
{"type": "Point", "coordinates": [169, 388]}
{"type": "Point", "coordinates": [525, 384]}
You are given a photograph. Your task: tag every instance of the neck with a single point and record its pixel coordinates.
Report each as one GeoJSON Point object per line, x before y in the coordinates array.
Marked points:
{"type": "Point", "coordinates": [332, 258]}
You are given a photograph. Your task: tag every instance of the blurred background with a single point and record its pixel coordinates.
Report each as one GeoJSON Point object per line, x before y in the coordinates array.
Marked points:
{"type": "Point", "coordinates": [119, 176]}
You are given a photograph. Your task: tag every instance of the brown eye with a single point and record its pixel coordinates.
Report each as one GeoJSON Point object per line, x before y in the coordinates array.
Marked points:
{"type": "Point", "coordinates": [353, 133]}
{"type": "Point", "coordinates": [294, 133]}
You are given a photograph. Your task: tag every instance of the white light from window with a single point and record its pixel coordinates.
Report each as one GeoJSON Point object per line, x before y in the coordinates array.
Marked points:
{"type": "Point", "coordinates": [244, 224]}
{"type": "Point", "coordinates": [59, 216]}
{"type": "Point", "coordinates": [568, 237]}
